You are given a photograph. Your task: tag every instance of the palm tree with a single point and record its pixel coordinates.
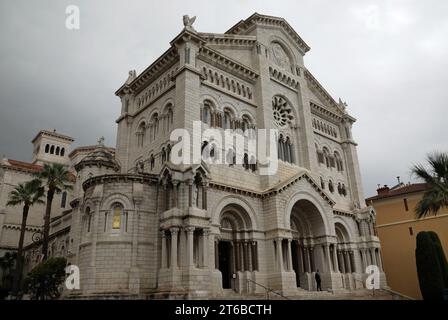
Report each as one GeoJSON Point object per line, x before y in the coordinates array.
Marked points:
{"type": "Point", "coordinates": [26, 194]}
{"type": "Point", "coordinates": [56, 178]}
{"type": "Point", "coordinates": [436, 195]}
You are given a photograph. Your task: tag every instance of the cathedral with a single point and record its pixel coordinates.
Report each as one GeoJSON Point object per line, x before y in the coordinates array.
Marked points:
{"type": "Point", "coordinates": [139, 225]}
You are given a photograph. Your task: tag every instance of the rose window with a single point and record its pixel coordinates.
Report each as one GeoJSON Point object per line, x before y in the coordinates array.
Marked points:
{"type": "Point", "coordinates": [282, 111]}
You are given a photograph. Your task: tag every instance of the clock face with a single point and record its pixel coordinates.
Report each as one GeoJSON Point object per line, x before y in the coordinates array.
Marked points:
{"type": "Point", "coordinates": [280, 56]}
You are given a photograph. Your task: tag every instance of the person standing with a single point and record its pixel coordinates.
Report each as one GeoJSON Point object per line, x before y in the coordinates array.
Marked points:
{"type": "Point", "coordinates": [318, 280]}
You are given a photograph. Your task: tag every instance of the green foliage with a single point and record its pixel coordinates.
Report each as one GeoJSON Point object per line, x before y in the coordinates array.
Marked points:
{"type": "Point", "coordinates": [432, 267]}
{"type": "Point", "coordinates": [436, 196]}
{"type": "Point", "coordinates": [44, 281]}
{"type": "Point", "coordinates": [27, 194]}
{"type": "Point", "coordinates": [7, 266]}
{"type": "Point", "coordinates": [55, 176]}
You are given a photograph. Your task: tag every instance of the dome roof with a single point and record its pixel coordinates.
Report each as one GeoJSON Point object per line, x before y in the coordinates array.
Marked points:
{"type": "Point", "coordinates": [100, 156]}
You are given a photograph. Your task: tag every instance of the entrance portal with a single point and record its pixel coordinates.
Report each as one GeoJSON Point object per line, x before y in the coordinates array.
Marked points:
{"type": "Point", "coordinates": [225, 255]}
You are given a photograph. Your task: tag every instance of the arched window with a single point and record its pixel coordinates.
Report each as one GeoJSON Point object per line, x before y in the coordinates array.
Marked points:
{"type": "Point", "coordinates": [322, 183]}
{"type": "Point", "coordinates": [52, 150]}
{"type": "Point", "coordinates": [117, 213]}
{"type": "Point", "coordinates": [63, 199]}
{"type": "Point", "coordinates": [231, 157]}
{"type": "Point", "coordinates": [326, 157]}
{"type": "Point", "coordinates": [246, 123]}
{"type": "Point", "coordinates": [141, 134]}
{"type": "Point", "coordinates": [152, 162]}
{"type": "Point", "coordinates": [281, 147]}
{"type": "Point", "coordinates": [338, 159]}
{"type": "Point", "coordinates": [246, 161]}
{"type": "Point", "coordinates": [47, 148]}
{"type": "Point", "coordinates": [330, 186]}
{"type": "Point", "coordinates": [339, 188]}
{"type": "Point", "coordinates": [344, 190]}
{"type": "Point", "coordinates": [154, 126]}
{"type": "Point", "coordinates": [168, 152]}
{"type": "Point", "coordinates": [88, 219]}
{"type": "Point", "coordinates": [62, 152]}
{"type": "Point", "coordinates": [206, 114]}
{"type": "Point", "coordinates": [227, 120]}
{"type": "Point", "coordinates": [253, 163]}
{"type": "Point", "coordinates": [57, 150]}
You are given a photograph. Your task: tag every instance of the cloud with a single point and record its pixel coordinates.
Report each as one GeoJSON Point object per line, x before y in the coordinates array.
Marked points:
{"type": "Point", "coordinates": [387, 59]}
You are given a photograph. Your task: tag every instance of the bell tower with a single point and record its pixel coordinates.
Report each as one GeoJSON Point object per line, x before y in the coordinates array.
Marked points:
{"type": "Point", "coordinates": [51, 147]}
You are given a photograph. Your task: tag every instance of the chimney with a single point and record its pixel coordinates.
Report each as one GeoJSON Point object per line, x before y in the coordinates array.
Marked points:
{"type": "Point", "coordinates": [383, 190]}
{"type": "Point", "coordinates": [398, 179]}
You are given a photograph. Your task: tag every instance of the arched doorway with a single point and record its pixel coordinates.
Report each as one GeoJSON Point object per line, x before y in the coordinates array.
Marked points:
{"type": "Point", "coordinates": [306, 224]}
{"type": "Point", "coordinates": [236, 248]}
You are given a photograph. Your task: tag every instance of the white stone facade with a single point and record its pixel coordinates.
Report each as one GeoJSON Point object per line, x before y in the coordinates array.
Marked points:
{"type": "Point", "coordinates": [143, 227]}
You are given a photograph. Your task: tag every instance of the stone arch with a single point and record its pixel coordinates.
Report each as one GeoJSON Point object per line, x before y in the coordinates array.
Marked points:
{"type": "Point", "coordinates": [236, 201]}
{"type": "Point", "coordinates": [285, 46]}
{"type": "Point", "coordinates": [108, 202]}
{"type": "Point", "coordinates": [314, 210]}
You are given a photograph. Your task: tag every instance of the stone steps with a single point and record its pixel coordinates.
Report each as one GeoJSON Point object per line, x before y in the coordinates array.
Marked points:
{"type": "Point", "coordinates": [361, 294]}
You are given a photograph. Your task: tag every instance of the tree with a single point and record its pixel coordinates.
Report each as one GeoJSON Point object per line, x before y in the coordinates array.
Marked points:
{"type": "Point", "coordinates": [26, 194]}
{"type": "Point", "coordinates": [44, 281]}
{"type": "Point", "coordinates": [7, 265]}
{"type": "Point", "coordinates": [56, 178]}
{"type": "Point", "coordinates": [436, 195]}
{"type": "Point", "coordinates": [432, 266]}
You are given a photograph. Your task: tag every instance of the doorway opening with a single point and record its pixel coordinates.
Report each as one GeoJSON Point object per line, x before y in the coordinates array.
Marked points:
{"type": "Point", "coordinates": [225, 255]}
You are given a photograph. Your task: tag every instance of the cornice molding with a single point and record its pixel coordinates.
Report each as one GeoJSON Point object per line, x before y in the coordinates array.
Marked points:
{"type": "Point", "coordinates": [257, 18]}
{"type": "Point", "coordinates": [114, 178]}
{"type": "Point", "coordinates": [220, 39]}
{"type": "Point", "coordinates": [226, 63]}
{"type": "Point", "coordinates": [164, 62]}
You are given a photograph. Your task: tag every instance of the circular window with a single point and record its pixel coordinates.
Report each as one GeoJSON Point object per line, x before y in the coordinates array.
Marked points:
{"type": "Point", "coordinates": [282, 111]}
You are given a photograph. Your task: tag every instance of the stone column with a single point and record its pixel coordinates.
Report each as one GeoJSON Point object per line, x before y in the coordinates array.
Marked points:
{"type": "Point", "coordinates": [173, 261]}
{"type": "Point", "coordinates": [190, 193]}
{"type": "Point", "coordinates": [163, 237]}
{"type": "Point", "coordinates": [255, 255]}
{"type": "Point", "coordinates": [249, 256]}
{"type": "Point", "coordinates": [352, 261]}
{"type": "Point", "coordinates": [347, 262]}
{"type": "Point", "coordinates": [335, 259]}
{"type": "Point", "coordinates": [328, 258]}
{"type": "Point", "coordinates": [190, 258]}
{"type": "Point", "coordinates": [278, 242]}
{"type": "Point", "coordinates": [241, 256]}
{"type": "Point", "coordinates": [290, 268]}
{"type": "Point", "coordinates": [380, 260]}
{"type": "Point", "coordinates": [341, 261]}
{"type": "Point", "coordinates": [205, 243]}
{"type": "Point", "coordinates": [216, 255]}
{"type": "Point", "coordinates": [372, 252]}
{"type": "Point", "coordinates": [313, 266]}
{"type": "Point", "coordinates": [307, 259]}
{"type": "Point", "coordinates": [175, 200]}
{"type": "Point", "coordinates": [204, 196]}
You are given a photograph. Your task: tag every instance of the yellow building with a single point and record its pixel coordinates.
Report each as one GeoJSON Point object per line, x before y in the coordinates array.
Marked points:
{"type": "Point", "coordinates": [397, 229]}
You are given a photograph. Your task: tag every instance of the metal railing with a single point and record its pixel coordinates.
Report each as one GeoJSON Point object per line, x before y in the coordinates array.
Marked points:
{"type": "Point", "coordinates": [266, 288]}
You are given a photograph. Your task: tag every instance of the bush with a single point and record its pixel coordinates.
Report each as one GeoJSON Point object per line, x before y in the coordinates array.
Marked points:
{"type": "Point", "coordinates": [432, 267]}
{"type": "Point", "coordinates": [44, 281]}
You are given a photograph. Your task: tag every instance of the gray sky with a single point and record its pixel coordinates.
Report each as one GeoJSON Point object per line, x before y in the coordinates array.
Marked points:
{"type": "Point", "coordinates": [387, 59]}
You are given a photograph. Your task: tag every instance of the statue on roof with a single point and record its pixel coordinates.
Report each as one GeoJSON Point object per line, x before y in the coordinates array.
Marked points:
{"type": "Point", "coordinates": [101, 141]}
{"type": "Point", "coordinates": [342, 105]}
{"type": "Point", "coordinates": [188, 22]}
{"type": "Point", "coordinates": [132, 76]}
